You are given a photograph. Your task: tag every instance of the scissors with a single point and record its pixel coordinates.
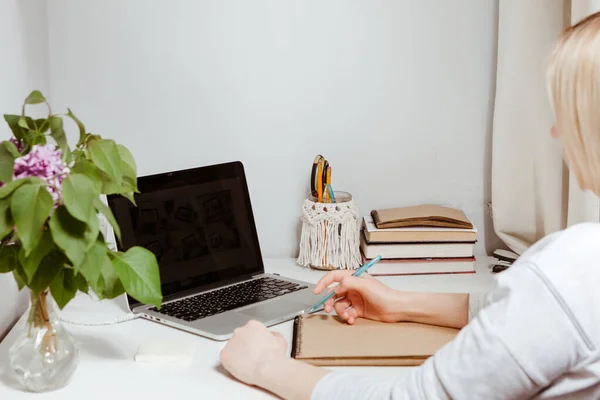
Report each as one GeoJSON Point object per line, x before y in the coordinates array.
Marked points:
{"type": "Point", "coordinates": [320, 179]}
{"type": "Point", "coordinates": [316, 172]}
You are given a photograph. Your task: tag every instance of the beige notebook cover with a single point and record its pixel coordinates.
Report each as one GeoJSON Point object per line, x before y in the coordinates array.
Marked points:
{"type": "Point", "coordinates": [423, 215]}
{"type": "Point", "coordinates": [326, 340]}
{"type": "Point", "coordinates": [416, 234]}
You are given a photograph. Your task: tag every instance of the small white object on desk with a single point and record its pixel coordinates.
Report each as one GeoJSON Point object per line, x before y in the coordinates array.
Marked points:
{"type": "Point", "coordinates": [165, 352]}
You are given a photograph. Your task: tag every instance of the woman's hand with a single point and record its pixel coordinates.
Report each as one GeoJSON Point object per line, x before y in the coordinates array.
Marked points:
{"type": "Point", "coordinates": [364, 297]}
{"type": "Point", "coordinates": [258, 357]}
{"type": "Point", "coordinates": [252, 349]}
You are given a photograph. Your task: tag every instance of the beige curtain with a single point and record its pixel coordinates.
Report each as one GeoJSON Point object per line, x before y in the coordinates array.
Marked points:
{"type": "Point", "coordinates": [533, 193]}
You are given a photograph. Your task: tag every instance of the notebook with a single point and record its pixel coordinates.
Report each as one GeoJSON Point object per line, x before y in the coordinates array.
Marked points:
{"type": "Point", "coordinates": [416, 234]}
{"type": "Point", "coordinates": [421, 266]}
{"type": "Point", "coordinates": [326, 340]}
{"type": "Point", "coordinates": [417, 250]}
{"type": "Point", "coordinates": [423, 215]}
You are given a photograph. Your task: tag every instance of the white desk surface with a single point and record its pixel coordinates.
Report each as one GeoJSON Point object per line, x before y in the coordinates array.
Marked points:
{"type": "Point", "coordinates": [107, 368]}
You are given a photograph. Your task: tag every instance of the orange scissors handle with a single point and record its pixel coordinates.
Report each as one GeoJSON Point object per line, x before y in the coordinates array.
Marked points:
{"type": "Point", "coordinates": [313, 175]}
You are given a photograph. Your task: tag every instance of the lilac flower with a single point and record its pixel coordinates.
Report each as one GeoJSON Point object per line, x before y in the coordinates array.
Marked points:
{"type": "Point", "coordinates": [45, 163]}
{"type": "Point", "coordinates": [18, 143]}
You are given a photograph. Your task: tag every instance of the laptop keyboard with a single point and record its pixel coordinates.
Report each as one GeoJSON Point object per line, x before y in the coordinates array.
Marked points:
{"type": "Point", "coordinates": [229, 298]}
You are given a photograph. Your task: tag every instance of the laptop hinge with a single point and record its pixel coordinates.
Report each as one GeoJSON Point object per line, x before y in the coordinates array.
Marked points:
{"type": "Point", "coordinates": [265, 273]}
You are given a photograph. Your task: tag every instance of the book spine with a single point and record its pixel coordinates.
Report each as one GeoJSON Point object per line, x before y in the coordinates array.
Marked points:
{"type": "Point", "coordinates": [423, 273]}
{"type": "Point", "coordinates": [295, 337]}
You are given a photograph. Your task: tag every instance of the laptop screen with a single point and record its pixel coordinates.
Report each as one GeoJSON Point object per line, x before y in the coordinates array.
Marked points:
{"type": "Point", "coordinates": [198, 222]}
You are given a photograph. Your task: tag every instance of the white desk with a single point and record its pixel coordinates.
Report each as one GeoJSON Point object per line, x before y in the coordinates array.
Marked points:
{"type": "Point", "coordinates": [107, 370]}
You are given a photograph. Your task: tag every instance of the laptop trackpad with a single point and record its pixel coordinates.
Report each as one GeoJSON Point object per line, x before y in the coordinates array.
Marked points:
{"type": "Point", "coordinates": [273, 309]}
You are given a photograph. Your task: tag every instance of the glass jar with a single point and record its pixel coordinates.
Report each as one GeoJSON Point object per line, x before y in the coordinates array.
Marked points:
{"type": "Point", "coordinates": [44, 356]}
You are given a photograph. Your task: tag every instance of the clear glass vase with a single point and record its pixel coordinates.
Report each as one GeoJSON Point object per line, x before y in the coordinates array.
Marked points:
{"type": "Point", "coordinates": [44, 356]}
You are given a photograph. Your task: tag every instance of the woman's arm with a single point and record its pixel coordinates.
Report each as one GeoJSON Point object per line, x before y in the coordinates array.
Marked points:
{"type": "Point", "coordinates": [443, 309]}
{"type": "Point", "coordinates": [290, 379]}
{"type": "Point", "coordinates": [515, 347]}
{"type": "Point", "coordinates": [367, 297]}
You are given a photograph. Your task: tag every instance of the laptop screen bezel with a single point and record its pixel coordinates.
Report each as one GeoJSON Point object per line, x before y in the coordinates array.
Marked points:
{"type": "Point", "coordinates": [199, 175]}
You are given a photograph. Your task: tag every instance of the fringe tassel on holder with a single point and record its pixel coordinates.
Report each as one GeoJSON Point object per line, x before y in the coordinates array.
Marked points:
{"type": "Point", "coordinates": [330, 235]}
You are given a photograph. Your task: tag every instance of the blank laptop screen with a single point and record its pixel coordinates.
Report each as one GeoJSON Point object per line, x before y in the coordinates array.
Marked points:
{"type": "Point", "coordinates": [198, 223]}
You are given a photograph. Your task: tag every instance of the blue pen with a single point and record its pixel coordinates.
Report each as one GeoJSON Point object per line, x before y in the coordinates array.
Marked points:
{"type": "Point", "coordinates": [358, 272]}
{"type": "Point", "coordinates": [331, 193]}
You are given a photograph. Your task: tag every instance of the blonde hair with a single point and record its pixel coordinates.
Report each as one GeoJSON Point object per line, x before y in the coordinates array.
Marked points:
{"type": "Point", "coordinates": [573, 80]}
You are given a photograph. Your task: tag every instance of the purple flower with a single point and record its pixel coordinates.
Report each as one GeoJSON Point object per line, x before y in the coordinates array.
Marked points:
{"type": "Point", "coordinates": [18, 143]}
{"type": "Point", "coordinates": [43, 162]}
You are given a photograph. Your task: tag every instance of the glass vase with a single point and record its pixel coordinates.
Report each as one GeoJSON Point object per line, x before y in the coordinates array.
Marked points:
{"type": "Point", "coordinates": [44, 356]}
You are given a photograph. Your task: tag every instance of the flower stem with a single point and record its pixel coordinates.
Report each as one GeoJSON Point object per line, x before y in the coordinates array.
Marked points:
{"type": "Point", "coordinates": [39, 318]}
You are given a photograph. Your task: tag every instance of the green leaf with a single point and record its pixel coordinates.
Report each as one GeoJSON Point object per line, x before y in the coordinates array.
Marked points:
{"type": "Point", "coordinates": [130, 196]}
{"type": "Point", "coordinates": [31, 262]}
{"type": "Point", "coordinates": [7, 164]}
{"type": "Point", "coordinates": [79, 193]}
{"type": "Point", "coordinates": [108, 185]}
{"type": "Point", "coordinates": [28, 140]}
{"type": "Point", "coordinates": [18, 275]}
{"type": "Point", "coordinates": [72, 236]}
{"type": "Point", "coordinates": [13, 123]}
{"type": "Point", "coordinates": [129, 184]}
{"type": "Point", "coordinates": [11, 186]}
{"type": "Point", "coordinates": [79, 124]}
{"type": "Point", "coordinates": [138, 270]}
{"type": "Point", "coordinates": [41, 125]}
{"type": "Point", "coordinates": [81, 283]}
{"type": "Point", "coordinates": [24, 122]}
{"type": "Point", "coordinates": [84, 167]}
{"type": "Point", "coordinates": [10, 146]}
{"type": "Point", "coordinates": [39, 139]}
{"type": "Point", "coordinates": [63, 288]}
{"type": "Point", "coordinates": [91, 266]}
{"type": "Point", "coordinates": [129, 175]}
{"type": "Point", "coordinates": [58, 134]}
{"type": "Point", "coordinates": [6, 221]}
{"type": "Point", "coordinates": [105, 155]}
{"type": "Point", "coordinates": [49, 268]}
{"type": "Point", "coordinates": [8, 258]}
{"type": "Point", "coordinates": [30, 206]}
{"type": "Point", "coordinates": [104, 209]}
{"type": "Point", "coordinates": [35, 97]}
{"type": "Point", "coordinates": [127, 158]}
{"type": "Point", "coordinates": [109, 285]}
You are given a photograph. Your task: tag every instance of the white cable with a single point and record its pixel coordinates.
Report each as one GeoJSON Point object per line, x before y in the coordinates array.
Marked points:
{"type": "Point", "coordinates": [125, 318]}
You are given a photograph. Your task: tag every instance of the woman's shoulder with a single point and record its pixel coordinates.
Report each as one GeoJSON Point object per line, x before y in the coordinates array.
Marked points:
{"type": "Point", "coordinates": [573, 244]}
{"type": "Point", "coordinates": [567, 265]}
{"type": "Point", "coordinates": [568, 262]}
{"type": "Point", "coordinates": [586, 228]}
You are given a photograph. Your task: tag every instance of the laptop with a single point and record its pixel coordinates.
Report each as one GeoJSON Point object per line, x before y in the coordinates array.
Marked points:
{"type": "Point", "coordinates": [200, 226]}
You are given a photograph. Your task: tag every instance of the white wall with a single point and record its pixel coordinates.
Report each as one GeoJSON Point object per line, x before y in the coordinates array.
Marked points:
{"type": "Point", "coordinates": [24, 67]}
{"type": "Point", "coordinates": [396, 94]}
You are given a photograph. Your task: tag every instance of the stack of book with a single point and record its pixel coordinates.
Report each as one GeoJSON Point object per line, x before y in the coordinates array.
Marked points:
{"type": "Point", "coordinates": [427, 239]}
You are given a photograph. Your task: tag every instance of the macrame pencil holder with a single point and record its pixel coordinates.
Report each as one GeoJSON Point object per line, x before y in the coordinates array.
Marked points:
{"type": "Point", "coordinates": [330, 234]}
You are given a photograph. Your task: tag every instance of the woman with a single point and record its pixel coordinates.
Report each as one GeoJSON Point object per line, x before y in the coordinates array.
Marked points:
{"type": "Point", "coordinates": [536, 335]}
